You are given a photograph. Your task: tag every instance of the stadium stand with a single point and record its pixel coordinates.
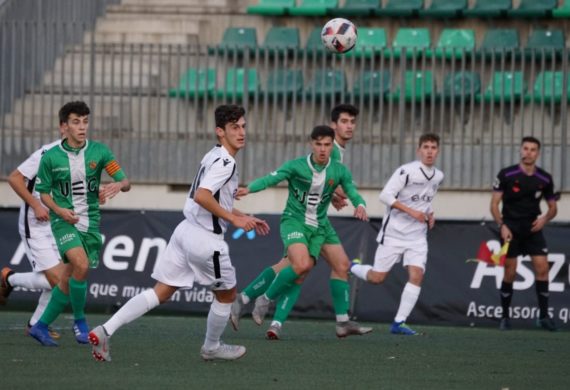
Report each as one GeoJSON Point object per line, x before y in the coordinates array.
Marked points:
{"type": "Point", "coordinates": [271, 7]}
{"type": "Point", "coordinates": [445, 9]}
{"type": "Point", "coordinates": [412, 41]}
{"type": "Point", "coordinates": [461, 86]}
{"type": "Point", "coordinates": [489, 9]}
{"type": "Point", "coordinates": [240, 84]}
{"type": "Point", "coordinates": [195, 83]}
{"type": "Point", "coordinates": [548, 88]}
{"type": "Point", "coordinates": [400, 8]}
{"type": "Point", "coordinates": [505, 87]}
{"type": "Point", "coordinates": [283, 84]}
{"type": "Point", "coordinates": [455, 43]}
{"type": "Point", "coordinates": [314, 7]}
{"type": "Point", "coordinates": [533, 9]}
{"type": "Point", "coordinates": [353, 8]}
{"type": "Point", "coordinates": [417, 87]}
{"type": "Point", "coordinates": [326, 84]}
{"type": "Point", "coordinates": [238, 40]}
{"type": "Point", "coordinates": [371, 42]}
{"type": "Point", "coordinates": [281, 40]}
{"type": "Point", "coordinates": [371, 86]}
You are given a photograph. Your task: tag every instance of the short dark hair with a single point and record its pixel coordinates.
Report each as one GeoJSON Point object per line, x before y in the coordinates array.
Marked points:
{"type": "Point", "coordinates": [322, 131]}
{"type": "Point", "coordinates": [78, 108]}
{"type": "Point", "coordinates": [228, 113]}
{"type": "Point", "coordinates": [531, 139]}
{"type": "Point", "coordinates": [428, 137]}
{"type": "Point", "coordinates": [339, 109]}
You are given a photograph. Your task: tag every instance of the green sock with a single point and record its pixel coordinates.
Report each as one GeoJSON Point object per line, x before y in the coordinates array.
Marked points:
{"type": "Point", "coordinates": [281, 283]}
{"type": "Point", "coordinates": [286, 302]}
{"type": "Point", "coordinates": [340, 291]}
{"type": "Point", "coordinates": [57, 304]}
{"type": "Point", "coordinates": [259, 284]}
{"type": "Point", "coordinates": [78, 297]}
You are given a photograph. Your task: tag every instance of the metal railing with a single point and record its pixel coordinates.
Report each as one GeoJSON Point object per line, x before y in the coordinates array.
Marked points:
{"type": "Point", "coordinates": [153, 104]}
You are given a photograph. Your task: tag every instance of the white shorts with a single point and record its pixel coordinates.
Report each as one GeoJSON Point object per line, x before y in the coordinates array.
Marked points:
{"type": "Point", "coordinates": [194, 255]}
{"type": "Point", "coordinates": [42, 252]}
{"type": "Point", "coordinates": [387, 256]}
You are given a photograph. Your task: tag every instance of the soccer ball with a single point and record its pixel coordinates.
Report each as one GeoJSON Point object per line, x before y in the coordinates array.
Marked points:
{"type": "Point", "coordinates": [339, 35]}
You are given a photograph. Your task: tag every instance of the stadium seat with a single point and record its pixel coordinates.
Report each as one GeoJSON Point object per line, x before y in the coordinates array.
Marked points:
{"type": "Point", "coordinates": [283, 84]}
{"type": "Point", "coordinates": [240, 84]}
{"type": "Point", "coordinates": [371, 86]}
{"type": "Point", "coordinates": [506, 87]}
{"type": "Point", "coordinates": [549, 43]}
{"type": "Point", "coordinates": [238, 40]}
{"type": "Point", "coordinates": [326, 84]}
{"type": "Point", "coordinates": [533, 9]}
{"type": "Point", "coordinates": [195, 84]}
{"type": "Point", "coordinates": [401, 8]}
{"type": "Point", "coordinates": [371, 41]}
{"type": "Point", "coordinates": [414, 40]}
{"type": "Point", "coordinates": [314, 8]}
{"type": "Point", "coordinates": [356, 8]}
{"type": "Point", "coordinates": [444, 9]}
{"type": "Point", "coordinates": [281, 40]}
{"type": "Point", "coordinates": [500, 41]}
{"type": "Point", "coordinates": [548, 88]}
{"type": "Point", "coordinates": [314, 44]}
{"type": "Point", "coordinates": [271, 7]}
{"type": "Point", "coordinates": [562, 11]}
{"type": "Point", "coordinates": [418, 86]}
{"type": "Point", "coordinates": [454, 43]}
{"type": "Point", "coordinates": [461, 85]}
{"type": "Point", "coordinates": [489, 9]}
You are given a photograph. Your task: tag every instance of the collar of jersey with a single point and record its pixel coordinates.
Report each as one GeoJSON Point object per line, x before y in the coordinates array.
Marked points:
{"type": "Point", "coordinates": [316, 167]}
{"type": "Point", "coordinates": [338, 145]}
{"type": "Point", "coordinates": [68, 148]}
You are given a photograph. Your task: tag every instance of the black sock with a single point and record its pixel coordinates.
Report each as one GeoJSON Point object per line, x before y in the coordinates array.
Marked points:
{"type": "Point", "coordinates": [543, 295]}
{"type": "Point", "coordinates": [506, 296]}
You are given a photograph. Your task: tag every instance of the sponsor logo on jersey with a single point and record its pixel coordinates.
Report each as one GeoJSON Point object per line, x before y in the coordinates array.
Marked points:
{"type": "Point", "coordinates": [295, 235]}
{"type": "Point", "coordinates": [226, 161]}
{"type": "Point", "coordinates": [60, 169]}
{"type": "Point", "coordinates": [66, 238]}
{"type": "Point", "coordinates": [274, 173]}
{"type": "Point", "coordinates": [538, 194]}
{"type": "Point", "coordinates": [331, 182]}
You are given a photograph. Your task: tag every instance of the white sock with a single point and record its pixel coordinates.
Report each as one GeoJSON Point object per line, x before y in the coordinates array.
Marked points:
{"type": "Point", "coordinates": [42, 303]}
{"type": "Point", "coordinates": [276, 323]}
{"type": "Point", "coordinates": [342, 318]}
{"type": "Point", "coordinates": [245, 299]}
{"type": "Point", "coordinates": [407, 301]}
{"type": "Point", "coordinates": [35, 280]}
{"type": "Point", "coordinates": [136, 307]}
{"type": "Point", "coordinates": [361, 271]}
{"type": "Point", "coordinates": [216, 324]}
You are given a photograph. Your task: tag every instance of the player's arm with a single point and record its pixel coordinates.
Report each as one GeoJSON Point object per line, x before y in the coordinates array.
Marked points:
{"type": "Point", "coordinates": [121, 182]}
{"type": "Point", "coordinates": [271, 180]}
{"type": "Point", "coordinates": [496, 199]}
{"type": "Point", "coordinates": [261, 227]}
{"type": "Point", "coordinates": [205, 199]}
{"type": "Point", "coordinates": [18, 183]}
{"type": "Point", "coordinates": [388, 196]}
{"type": "Point", "coordinates": [347, 184]}
{"type": "Point", "coordinates": [551, 199]}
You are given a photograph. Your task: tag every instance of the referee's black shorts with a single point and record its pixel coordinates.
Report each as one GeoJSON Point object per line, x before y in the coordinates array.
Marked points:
{"type": "Point", "coordinates": [525, 242]}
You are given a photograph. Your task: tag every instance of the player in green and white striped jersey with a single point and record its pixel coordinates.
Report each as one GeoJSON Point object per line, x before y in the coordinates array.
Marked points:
{"type": "Point", "coordinates": [69, 183]}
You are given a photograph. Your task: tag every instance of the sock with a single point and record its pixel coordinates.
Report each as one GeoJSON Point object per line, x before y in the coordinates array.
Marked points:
{"type": "Point", "coordinates": [217, 319]}
{"type": "Point", "coordinates": [360, 271]}
{"type": "Point", "coordinates": [56, 305]}
{"type": "Point", "coordinates": [78, 297]}
{"type": "Point", "coordinates": [543, 295]}
{"type": "Point", "coordinates": [286, 302]}
{"type": "Point", "coordinates": [407, 301]}
{"type": "Point", "coordinates": [506, 296]}
{"type": "Point", "coordinates": [34, 280]}
{"type": "Point", "coordinates": [43, 301]}
{"type": "Point", "coordinates": [284, 280]}
{"type": "Point", "coordinates": [340, 292]}
{"type": "Point", "coordinates": [136, 307]}
{"type": "Point", "coordinates": [258, 286]}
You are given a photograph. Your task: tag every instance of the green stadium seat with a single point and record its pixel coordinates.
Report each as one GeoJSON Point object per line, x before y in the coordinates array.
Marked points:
{"type": "Point", "coordinates": [195, 84]}
{"type": "Point", "coordinates": [563, 11]}
{"type": "Point", "coordinates": [489, 9]}
{"type": "Point", "coordinates": [326, 84]}
{"type": "Point", "coordinates": [281, 40]}
{"type": "Point", "coordinates": [461, 85]}
{"type": "Point", "coordinates": [371, 42]}
{"type": "Point", "coordinates": [499, 41]}
{"type": "Point", "coordinates": [505, 86]}
{"type": "Point", "coordinates": [444, 9]}
{"type": "Point", "coordinates": [238, 40]}
{"type": "Point", "coordinates": [418, 86]}
{"type": "Point", "coordinates": [548, 88]}
{"type": "Point", "coordinates": [533, 9]}
{"type": "Point", "coordinates": [240, 84]}
{"type": "Point", "coordinates": [371, 85]}
{"type": "Point", "coordinates": [271, 7]}
{"type": "Point", "coordinates": [454, 43]}
{"type": "Point", "coordinates": [283, 84]}
{"type": "Point", "coordinates": [314, 8]}
{"type": "Point", "coordinates": [356, 8]}
{"type": "Point", "coordinates": [414, 40]}
{"type": "Point", "coordinates": [549, 42]}
{"type": "Point", "coordinates": [400, 8]}
{"type": "Point", "coordinates": [314, 45]}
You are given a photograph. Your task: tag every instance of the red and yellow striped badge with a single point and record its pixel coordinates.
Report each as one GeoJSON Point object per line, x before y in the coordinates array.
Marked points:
{"type": "Point", "coordinates": [112, 167]}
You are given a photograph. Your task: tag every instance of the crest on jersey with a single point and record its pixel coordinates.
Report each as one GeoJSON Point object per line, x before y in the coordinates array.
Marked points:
{"type": "Point", "coordinates": [331, 182]}
{"type": "Point", "coordinates": [92, 164]}
{"type": "Point", "coordinates": [538, 194]}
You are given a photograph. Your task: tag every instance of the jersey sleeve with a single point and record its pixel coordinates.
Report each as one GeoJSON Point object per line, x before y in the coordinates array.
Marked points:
{"type": "Point", "coordinates": [395, 184]}
{"type": "Point", "coordinates": [499, 182]}
{"type": "Point", "coordinates": [220, 173]}
{"type": "Point", "coordinates": [282, 173]}
{"type": "Point", "coordinates": [112, 167]}
{"type": "Point", "coordinates": [349, 188]}
{"type": "Point", "coordinates": [548, 191]}
{"type": "Point", "coordinates": [29, 168]}
{"type": "Point", "coordinates": [43, 178]}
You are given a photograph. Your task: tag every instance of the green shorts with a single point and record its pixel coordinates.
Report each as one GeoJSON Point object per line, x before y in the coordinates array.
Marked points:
{"type": "Point", "coordinates": [293, 232]}
{"type": "Point", "coordinates": [330, 234]}
{"type": "Point", "coordinates": [68, 237]}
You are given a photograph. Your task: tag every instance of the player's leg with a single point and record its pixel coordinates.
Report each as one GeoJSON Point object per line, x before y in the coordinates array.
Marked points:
{"type": "Point", "coordinates": [384, 259]}
{"type": "Point", "coordinates": [506, 292]}
{"type": "Point", "coordinates": [283, 307]}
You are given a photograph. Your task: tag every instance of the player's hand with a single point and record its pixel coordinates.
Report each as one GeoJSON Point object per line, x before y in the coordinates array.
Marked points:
{"type": "Point", "coordinates": [246, 222]}
{"type": "Point", "coordinates": [41, 213]}
{"type": "Point", "coordinates": [68, 216]}
{"type": "Point", "coordinates": [431, 220]}
{"type": "Point", "coordinates": [261, 227]}
{"type": "Point", "coordinates": [360, 213]}
{"type": "Point", "coordinates": [538, 224]}
{"type": "Point", "coordinates": [419, 216]}
{"type": "Point", "coordinates": [108, 191]}
{"type": "Point", "coordinates": [241, 192]}
{"type": "Point", "coordinates": [339, 202]}
{"type": "Point", "coordinates": [506, 233]}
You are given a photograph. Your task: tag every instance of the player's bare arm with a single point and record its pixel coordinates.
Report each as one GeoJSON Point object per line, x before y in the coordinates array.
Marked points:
{"type": "Point", "coordinates": [108, 191]}
{"type": "Point", "coordinates": [542, 220]}
{"type": "Point", "coordinates": [496, 199]}
{"type": "Point", "coordinates": [18, 183]}
{"type": "Point", "coordinates": [241, 192]}
{"type": "Point", "coordinates": [206, 199]}
{"type": "Point", "coordinates": [66, 214]}
{"type": "Point", "coordinates": [261, 227]}
{"type": "Point", "coordinates": [416, 214]}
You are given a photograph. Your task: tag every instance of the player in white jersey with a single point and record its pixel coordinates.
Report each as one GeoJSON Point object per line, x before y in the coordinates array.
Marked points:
{"type": "Point", "coordinates": [197, 252]}
{"type": "Point", "coordinates": [37, 238]}
{"type": "Point", "coordinates": [408, 195]}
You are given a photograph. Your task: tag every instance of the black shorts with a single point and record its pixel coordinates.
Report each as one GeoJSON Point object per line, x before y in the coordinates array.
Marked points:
{"type": "Point", "coordinates": [525, 242]}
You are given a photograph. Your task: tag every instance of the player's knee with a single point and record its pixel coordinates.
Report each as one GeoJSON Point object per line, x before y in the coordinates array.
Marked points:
{"type": "Point", "coordinates": [341, 267]}
{"type": "Point", "coordinates": [302, 267]}
{"type": "Point", "coordinates": [376, 277]}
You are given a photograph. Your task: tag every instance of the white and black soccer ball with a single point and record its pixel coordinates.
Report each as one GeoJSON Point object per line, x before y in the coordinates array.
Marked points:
{"type": "Point", "coordinates": [339, 35]}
